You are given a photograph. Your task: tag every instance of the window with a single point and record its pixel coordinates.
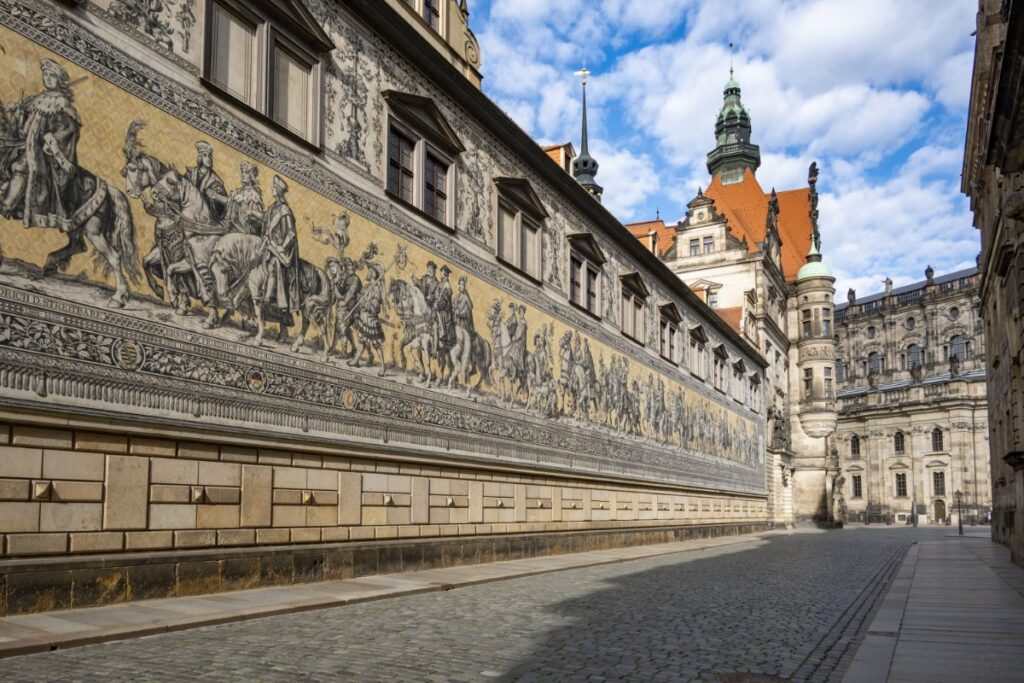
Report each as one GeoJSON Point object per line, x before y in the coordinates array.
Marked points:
{"type": "Point", "coordinates": [808, 382]}
{"type": "Point", "coordinates": [875, 363]}
{"type": "Point", "coordinates": [709, 245]}
{"type": "Point", "coordinates": [913, 356]}
{"type": "Point", "coordinates": [901, 484]}
{"type": "Point", "coordinates": [420, 157]}
{"type": "Point", "coordinates": [828, 383]}
{"type": "Point", "coordinates": [937, 439]}
{"type": "Point", "coordinates": [840, 370]}
{"type": "Point", "coordinates": [956, 347]}
{"type": "Point", "coordinates": [432, 13]}
{"type": "Point", "coordinates": [855, 446]}
{"type": "Point", "coordinates": [712, 299]}
{"type": "Point", "coordinates": [698, 352]}
{"type": "Point", "coordinates": [520, 223]}
{"type": "Point", "coordinates": [585, 261]}
{"type": "Point", "coordinates": [694, 247]}
{"type": "Point", "coordinates": [911, 323]}
{"type": "Point", "coordinates": [755, 393]}
{"type": "Point", "coordinates": [806, 314]}
{"type": "Point", "coordinates": [899, 443]}
{"type": "Point", "coordinates": [669, 333]}
{"type": "Point", "coordinates": [721, 370]}
{"type": "Point", "coordinates": [826, 322]}
{"type": "Point", "coordinates": [634, 297]}
{"type": "Point", "coordinates": [954, 313]}
{"type": "Point", "coordinates": [939, 483]}
{"type": "Point", "coordinates": [272, 67]}
{"type": "Point", "coordinates": [856, 482]}
{"type": "Point", "coordinates": [872, 332]}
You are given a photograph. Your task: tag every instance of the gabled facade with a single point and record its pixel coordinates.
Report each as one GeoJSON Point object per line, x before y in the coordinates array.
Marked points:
{"type": "Point", "coordinates": [746, 253]}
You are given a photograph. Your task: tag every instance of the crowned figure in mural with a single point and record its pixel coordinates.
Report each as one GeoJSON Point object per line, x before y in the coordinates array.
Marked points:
{"type": "Point", "coordinates": [208, 182]}
{"type": "Point", "coordinates": [43, 186]}
{"type": "Point", "coordinates": [244, 209]}
{"type": "Point", "coordinates": [369, 323]}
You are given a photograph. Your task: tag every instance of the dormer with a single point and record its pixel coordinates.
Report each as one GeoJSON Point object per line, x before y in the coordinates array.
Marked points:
{"type": "Point", "coordinates": [445, 25]}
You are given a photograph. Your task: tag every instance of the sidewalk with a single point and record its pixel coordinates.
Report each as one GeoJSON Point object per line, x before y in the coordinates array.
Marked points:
{"type": "Point", "coordinates": [25, 634]}
{"type": "Point", "coordinates": [955, 612]}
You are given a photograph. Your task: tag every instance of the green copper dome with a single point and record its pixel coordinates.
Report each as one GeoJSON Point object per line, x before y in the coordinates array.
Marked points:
{"type": "Point", "coordinates": [814, 266]}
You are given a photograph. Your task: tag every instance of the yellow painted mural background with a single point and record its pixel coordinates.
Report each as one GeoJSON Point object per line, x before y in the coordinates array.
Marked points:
{"type": "Point", "coordinates": [106, 111]}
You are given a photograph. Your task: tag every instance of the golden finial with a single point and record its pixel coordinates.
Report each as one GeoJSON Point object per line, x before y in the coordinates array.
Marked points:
{"type": "Point", "coordinates": [583, 73]}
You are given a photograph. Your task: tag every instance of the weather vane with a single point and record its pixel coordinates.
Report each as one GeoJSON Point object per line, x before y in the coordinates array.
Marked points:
{"type": "Point", "coordinates": [730, 61]}
{"type": "Point", "coordinates": [583, 73]}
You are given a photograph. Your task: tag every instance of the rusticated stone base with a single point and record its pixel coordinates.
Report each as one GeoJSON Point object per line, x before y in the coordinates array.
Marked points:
{"type": "Point", "coordinates": [43, 585]}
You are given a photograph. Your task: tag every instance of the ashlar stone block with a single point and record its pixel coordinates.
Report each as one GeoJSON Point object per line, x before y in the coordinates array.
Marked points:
{"type": "Point", "coordinates": [21, 463]}
{"type": "Point", "coordinates": [73, 465]}
{"type": "Point", "coordinates": [42, 437]}
{"type": "Point", "coordinates": [165, 471]}
{"type": "Point", "coordinates": [70, 516]}
{"type": "Point", "coordinates": [19, 517]}
{"type": "Point", "coordinates": [256, 495]}
{"type": "Point", "coordinates": [349, 498]}
{"type": "Point", "coordinates": [37, 544]}
{"type": "Point", "coordinates": [220, 474]}
{"type": "Point", "coordinates": [78, 491]}
{"type": "Point", "coordinates": [127, 491]}
{"type": "Point", "coordinates": [101, 442]}
{"type": "Point", "coordinates": [217, 516]}
{"type": "Point", "coordinates": [14, 489]}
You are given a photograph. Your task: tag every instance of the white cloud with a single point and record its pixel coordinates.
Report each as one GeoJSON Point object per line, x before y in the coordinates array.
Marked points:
{"type": "Point", "coordinates": [629, 180]}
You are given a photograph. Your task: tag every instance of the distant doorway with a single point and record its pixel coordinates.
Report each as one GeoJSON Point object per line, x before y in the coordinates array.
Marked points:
{"type": "Point", "coordinates": [940, 512]}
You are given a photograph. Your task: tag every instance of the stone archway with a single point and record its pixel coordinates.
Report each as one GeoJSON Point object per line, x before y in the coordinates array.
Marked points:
{"type": "Point", "coordinates": [940, 512]}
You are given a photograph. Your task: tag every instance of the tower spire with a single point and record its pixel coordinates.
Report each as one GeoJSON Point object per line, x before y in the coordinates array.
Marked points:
{"type": "Point", "coordinates": [584, 167]}
{"type": "Point", "coordinates": [733, 151]}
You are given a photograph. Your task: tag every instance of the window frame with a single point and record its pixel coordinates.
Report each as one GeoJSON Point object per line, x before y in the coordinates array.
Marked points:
{"type": "Point", "coordinates": [583, 248]}
{"type": "Point", "coordinates": [856, 486]}
{"type": "Point", "coordinates": [901, 484]}
{"type": "Point", "coordinates": [668, 333]}
{"type": "Point", "coordinates": [938, 483]}
{"type": "Point", "coordinates": [697, 353]}
{"type": "Point", "coordinates": [855, 446]}
{"type": "Point", "coordinates": [515, 197]}
{"type": "Point", "coordinates": [899, 443]}
{"type": "Point", "coordinates": [938, 440]}
{"type": "Point", "coordinates": [695, 247]}
{"type": "Point", "coordinates": [271, 34]}
{"type": "Point", "coordinates": [425, 144]}
{"type": "Point", "coordinates": [633, 301]}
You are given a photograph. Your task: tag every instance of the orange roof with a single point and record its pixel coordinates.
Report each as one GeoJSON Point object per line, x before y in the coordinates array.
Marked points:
{"type": "Point", "coordinates": [745, 207]}
{"type": "Point", "coordinates": [666, 235]}
{"type": "Point", "coordinates": [731, 316]}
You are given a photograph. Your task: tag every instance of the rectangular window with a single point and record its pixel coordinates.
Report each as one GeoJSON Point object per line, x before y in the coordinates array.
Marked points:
{"type": "Point", "coordinates": [400, 165]}
{"type": "Point", "coordinates": [291, 97]}
{"type": "Point", "coordinates": [633, 316]}
{"type": "Point", "coordinates": [694, 247]}
{"type": "Point", "coordinates": [828, 388]}
{"type": "Point", "coordinates": [584, 283]}
{"type": "Point", "coordinates": [808, 382]}
{"type": "Point", "coordinates": [857, 491]}
{"type": "Point", "coordinates": [709, 245]}
{"type": "Point", "coordinates": [519, 241]}
{"type": "Point", "coordinates": [591, 289]}
{"type": "Point", "coordinates": [939, 483]}
{"type": "Point", "coordinates": [826, 322]}
{"type": "Point", "coordinates": [435, 189]}
{"type": "Point", "coordinates": [713, 299]}
{"type": "Point", "coordinates": [432, 13]}
{"type": "Point", "coordinates": [901, 484]}
{"type": "Point", "coordinates": [669, 340]}
{"type": "Point", "coordinates": [576, 280]}
{"type": "Point", "coordinates": [530, 247]}
{"type": "Point", "coordinates": [232, 54]}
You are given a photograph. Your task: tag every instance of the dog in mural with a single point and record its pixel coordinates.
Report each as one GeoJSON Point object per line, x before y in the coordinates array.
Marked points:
{"type": "Point", "coordinates": [43, 186]}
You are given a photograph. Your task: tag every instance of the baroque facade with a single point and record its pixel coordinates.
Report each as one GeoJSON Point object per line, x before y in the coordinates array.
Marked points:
{"type": "Point", "coordinates": [993, 179]}
{"type": "Point", "coordinates": [755, 258]}
{"type": "Point", "coordinates": [913, 422]}
{"type": "Point", "coordinates": [277, 273]}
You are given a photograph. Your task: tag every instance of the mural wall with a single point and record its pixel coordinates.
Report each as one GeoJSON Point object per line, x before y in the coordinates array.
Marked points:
{"type": "Point", "coordinates": [164, 262]}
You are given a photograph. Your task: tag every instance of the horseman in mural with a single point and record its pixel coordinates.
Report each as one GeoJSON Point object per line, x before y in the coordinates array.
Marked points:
{"type": "Point", "coordinates": [346, 287]}
{"type": "Point", "coordinates": [445, 325]}
{"type": "Point", "coordinates": [471, 354]}
{"type": "Point", "coordinates": [244, 209]}
{"type": "Point", "coordinates": [369, 323]}
{"type": "Point", "coordinates": [44, 187]}
{"type": "Point", "coordinates": [281, 296]}
{"type": "Point", "coordinates": [508, 368]}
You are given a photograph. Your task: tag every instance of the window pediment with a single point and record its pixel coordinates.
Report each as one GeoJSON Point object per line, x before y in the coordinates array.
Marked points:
{"type": "Point", "coordinates": [671, 312]}
{"type": "Point", "coordinates": [740, 366]}
{"type": "Point", "coordinates": [698, 333]}
{"type": "Point", "coordinates": [585, 243]}
{"type": "Point", "coordinates": [422, 113]}
{"type": "Point", "coordinates": [936, 463]}
{"type": "Point", "coordinates": [294, 15]}
{"type": "Point", "coordinates": [755, 378]}
{"type": "Point", "coordinates": [521, 192]}
{"type": "Point", "coordinates": [722, 352]}
{"type": "Point", "coordinates": [634, 284]}
{"type": "Point", "coordinates": [899, 466]}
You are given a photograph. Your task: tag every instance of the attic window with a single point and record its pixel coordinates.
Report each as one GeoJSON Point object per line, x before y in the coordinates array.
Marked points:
{"type": "Point", "coordinates": [669, 332]}
{"type": "Point", "coordinates": [429, 11]}
{"type": "Point", "coordinates": [585, 262]}
{"type": "Point", "coordinates": [265, 54]}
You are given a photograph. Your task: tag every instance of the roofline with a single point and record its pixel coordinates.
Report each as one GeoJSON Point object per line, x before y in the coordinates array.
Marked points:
{"type": "Point", "coordinates": [921, 284]}
{"type": "Point", "coordinates": [385, 21]}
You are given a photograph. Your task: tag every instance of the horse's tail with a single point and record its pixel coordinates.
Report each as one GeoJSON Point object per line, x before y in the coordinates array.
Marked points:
{"type": "Point", "coordinates": [122, 238]}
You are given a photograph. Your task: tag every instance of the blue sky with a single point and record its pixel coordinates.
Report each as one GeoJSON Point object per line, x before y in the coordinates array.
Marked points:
{"type": "Point", "coordinates": [875, 90]}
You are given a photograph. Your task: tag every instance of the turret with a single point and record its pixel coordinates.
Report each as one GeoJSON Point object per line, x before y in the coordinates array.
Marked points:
{"type": "Point", "coordinates": [584, 167]}
{"type": "Point", "coordinates": [733, 151]}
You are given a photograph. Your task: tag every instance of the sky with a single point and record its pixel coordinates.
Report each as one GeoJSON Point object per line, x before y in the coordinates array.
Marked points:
{"type": "Point", "coordinates": [875, 91]}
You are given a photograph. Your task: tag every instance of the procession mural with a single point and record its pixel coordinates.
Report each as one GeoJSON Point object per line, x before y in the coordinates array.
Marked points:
{"type": "Point", "coordinates": [130, 208]}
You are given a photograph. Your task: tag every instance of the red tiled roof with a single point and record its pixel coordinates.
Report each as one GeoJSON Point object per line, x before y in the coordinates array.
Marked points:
{"type": "Point", "coordinates": [745, 207]}
{"type": "Point", "coordinates": [666, 235]}
{"type": "Point", "coordinates": [731, 316]}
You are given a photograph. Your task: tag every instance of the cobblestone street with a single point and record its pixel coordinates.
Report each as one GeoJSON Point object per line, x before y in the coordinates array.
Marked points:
{"type": "Point", "coordinates": [787, 607]}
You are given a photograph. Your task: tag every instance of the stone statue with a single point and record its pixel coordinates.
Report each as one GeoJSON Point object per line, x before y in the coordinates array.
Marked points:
{"type": "Point", "coordinates": [888, 285]}
{"type": "Point", "coordinates": [851, 296]}
{"type": "Point", "coordinates": [838, 501]}
{"type": "Point", "coordinates": [954, 364]}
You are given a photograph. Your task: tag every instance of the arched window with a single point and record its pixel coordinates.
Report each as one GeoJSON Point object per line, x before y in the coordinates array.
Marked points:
{"type": "Point", "coordinates": [898, 442]}
{"type": "Point", "coordinates": [875, 364]}
{"type": "Point", "coordinates": [913, 356]}
{"type": "Point", "coordinates": [855, 446]}
{"type": "Point", "coordinates": [937, 439]}
{"type": "Point", "coordinates": [956, 347]}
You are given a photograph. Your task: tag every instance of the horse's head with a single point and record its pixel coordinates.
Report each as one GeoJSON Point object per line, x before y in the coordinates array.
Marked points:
{"type": "Point", "coordinates": [168, 188]}
{"type": "Point", "coordinates": [138, 166]}
{"type": "Point", "coordinates": [395, 291]}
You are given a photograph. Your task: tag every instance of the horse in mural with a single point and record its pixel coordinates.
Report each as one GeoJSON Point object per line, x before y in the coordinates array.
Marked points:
{"type": "Point", "coordinates": [417, 318]}
{"type": "Point", "coordinates": [240, 280]}
{"type": "Point", "coordinates": [506, 367]}
{"type": "Point", "coordinates": [103, 217]}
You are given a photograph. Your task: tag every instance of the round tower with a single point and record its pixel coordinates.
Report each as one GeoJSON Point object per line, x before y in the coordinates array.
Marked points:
{"type": "Point", "coordinates": [816, 347]}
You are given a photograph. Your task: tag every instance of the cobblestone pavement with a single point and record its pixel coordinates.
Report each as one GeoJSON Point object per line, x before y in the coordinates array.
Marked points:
{"type": "Point", "coordinates": [780, 609]}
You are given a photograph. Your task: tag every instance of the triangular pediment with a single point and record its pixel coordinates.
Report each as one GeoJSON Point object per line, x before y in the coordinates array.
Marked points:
{"type": "Point", "coordinates": [635, 284]}
{"type": "Point", "coordinates": [521, 192]}
{"type": "Point", "coordinates": [671, 311]}
{"type": "Point", "coordinates": [585, 243]}
{"type": "Point", "coordinates": [722, 352]}
{"type": "Point", "coordinates": [294, 15]}
{"type": "Point", "coordinates": [703, 284]}
{"type": "Point", "coordinates": [422, 113]}
{"type": "Point", "coordinates": [740, 366]}
{"type": "Point", "coordinates": [698, 333]}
